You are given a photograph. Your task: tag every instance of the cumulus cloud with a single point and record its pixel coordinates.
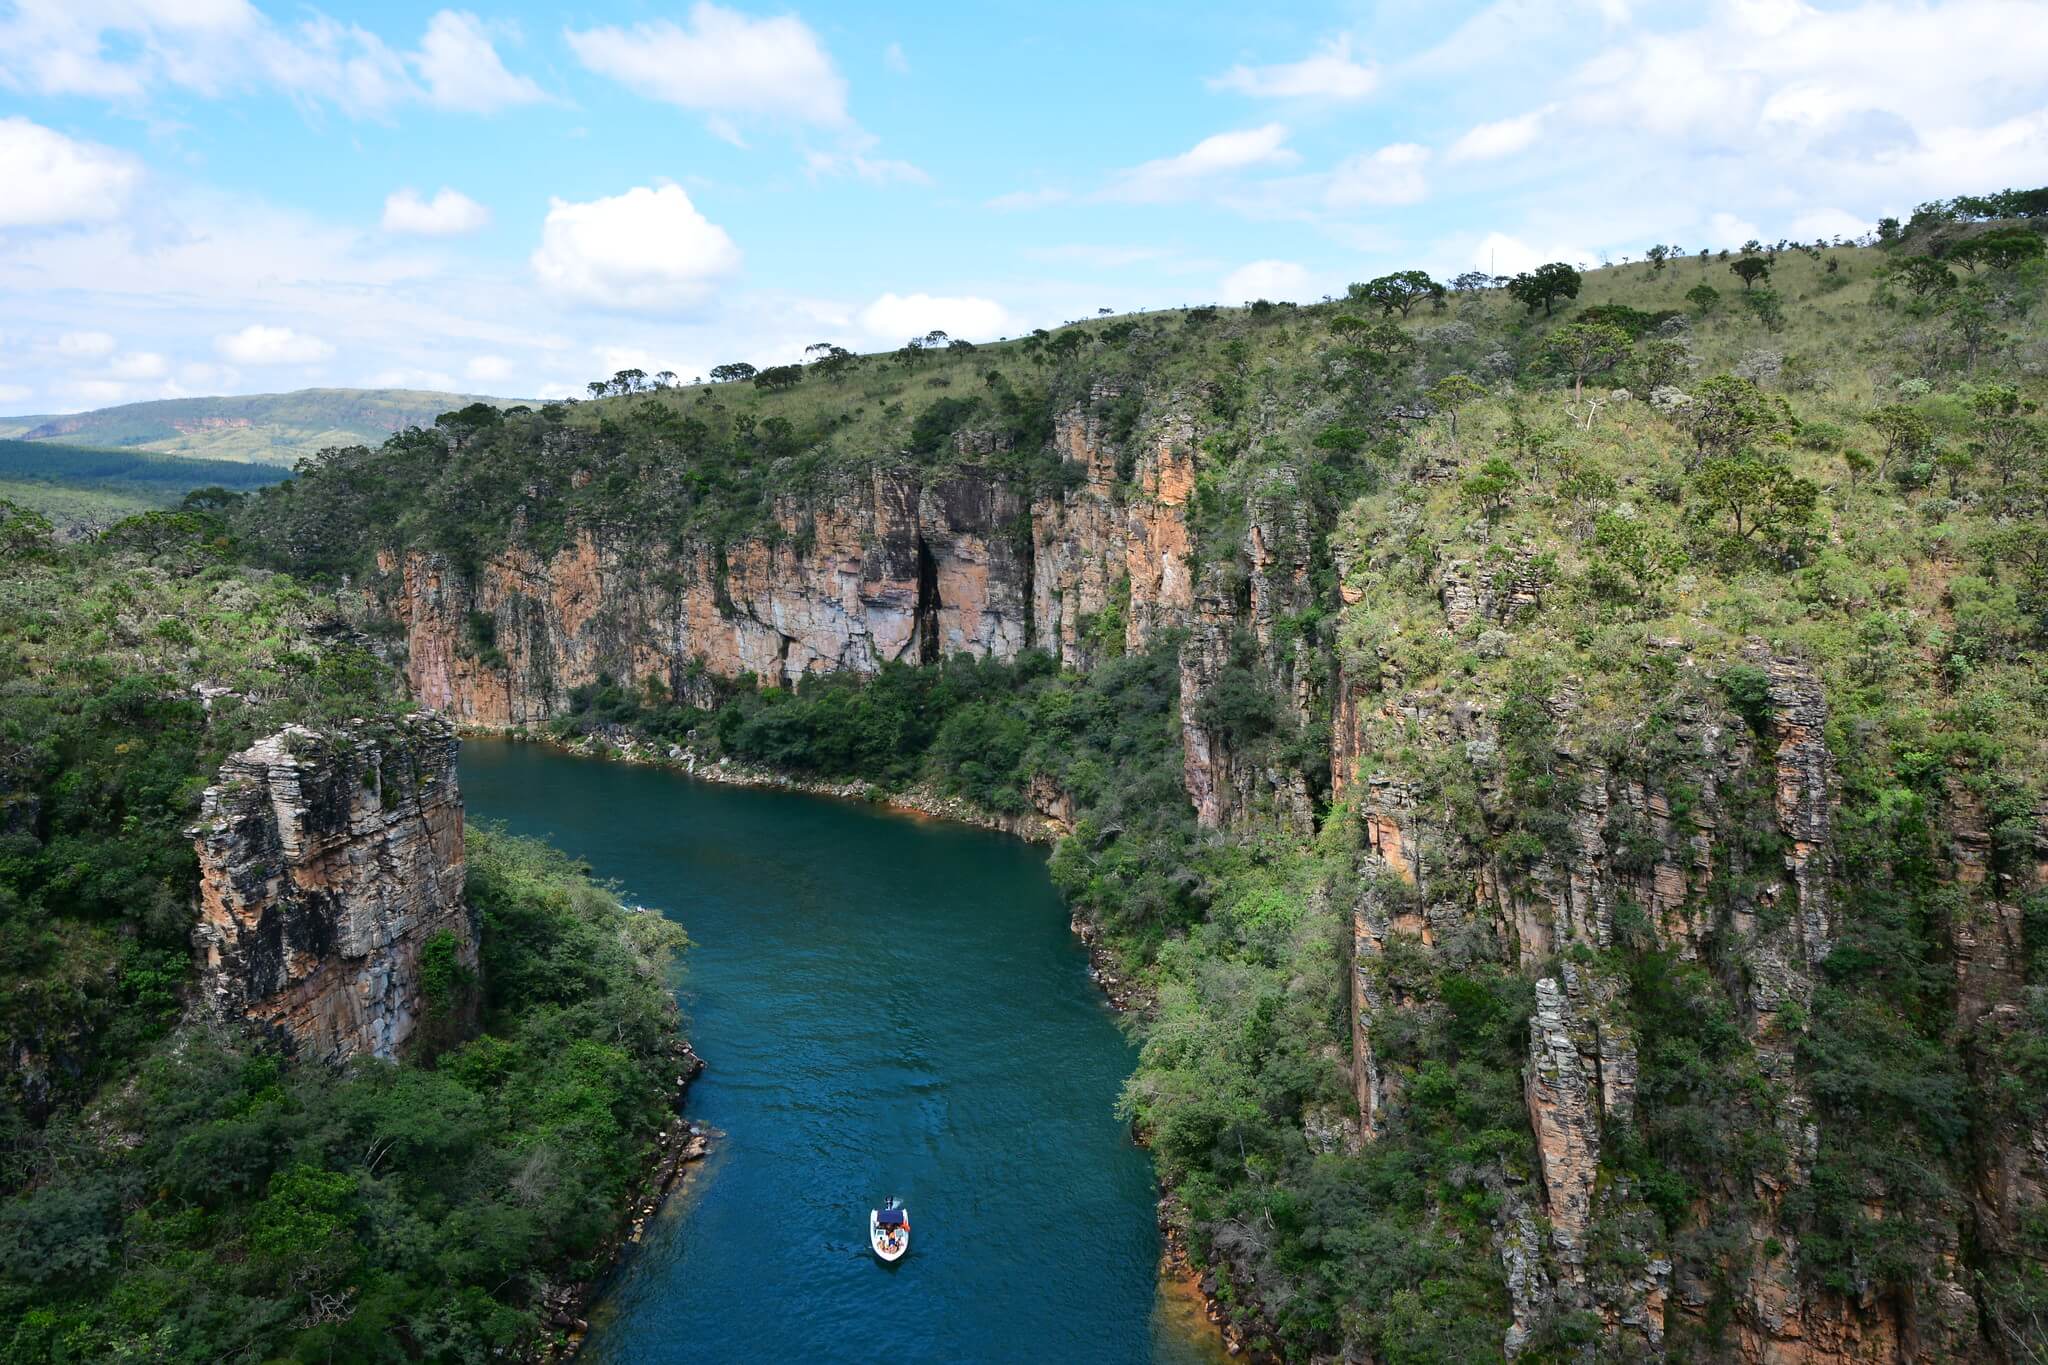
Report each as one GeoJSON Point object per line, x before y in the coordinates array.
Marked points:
{"type": "Point", "coordinates": [1175, 177]}
{"type": "Point", "coordinates": [893, 317]}
{"type": "Point", "coordinates": [644, 250]}
{"type": "Point", "coordinates": [258, 344]}
{"type": "Point", "coordinates": [1330, 74]}
{"type": "Point", "coordinates": [15, 393]}
{"type": "Point", "coordinates": [1504, 137]}
{"type": "Point", "coordinates": [450, 213]}
{"type": "Point", "coordinates": [1391, 175]}
{"type": "Point", "coordinates": [1265, 280]}
{"type": "Point", "coordinates": [721, 62]}
{"type": "Point", "coordinates": [53, 179]}
{"type": "Point", "coordinates": [461, 68]}
{"type": "Point", "coordinates": [125, 51]}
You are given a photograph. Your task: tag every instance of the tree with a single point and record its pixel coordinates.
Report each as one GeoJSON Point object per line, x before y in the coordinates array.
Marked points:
{"type": "Point", "coordinates": [1583, 348]}
{"type": "Point", "coordinates": [1491, 486]}
{"type": "Point", "coordinates": [1751, 269]}
{"type": "Point", "coordinates": [1658, 255]}
{"type": "Point", "coordinates": [1703, 298]}
{"type": "Point", "coordinates": [1632, 558]}
{"type": "Point", "coordinates": [1374, 346]}
{"type": "Point", "coordinates": [1544, 286]}
{"type": "Point", "coordinates": [1971, 320]}
{"type": "Point", "coordinates": [1905, 433]}
{"type": "Point", "coordinates": [1729, 413]}
{"type": "Point", "coordinates": [1923, 275]}
{"type": "Point", "coordinates": [2002, 250]}
{"type": "Point", "coordinates": [778, 377]}
{"type": "Point", "coordinates": [1471, 282]}
{"type": "Point", "coordinates": [1449, 394]}
{"type": "Point", "coordinates": [735, 372]}
{"type": "Point", "coordinates": [835, 362]}
{"type": "Point", "coordinates": [1766, 307]}
{"type": "Point", "coordinates": [1659, 364]}
{"type": "Point", "coordinates": [1398, 292]}
{"type": "Point", "coordinates": [1758, 496]}
{"type": "Point", "coordinates": [629, 381]}
{"type": "Point", "coordinates": [2004, 432]}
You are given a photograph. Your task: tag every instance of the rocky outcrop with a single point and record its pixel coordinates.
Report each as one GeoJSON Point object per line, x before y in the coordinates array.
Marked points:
{"type": "Point", "coordinates": [328, 864]}
{"type": "Point", "coordinates": [892, 564]}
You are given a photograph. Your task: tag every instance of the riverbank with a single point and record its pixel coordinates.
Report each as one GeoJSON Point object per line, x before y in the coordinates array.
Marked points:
{"type": "Point", "coordinates": [679, 1145]}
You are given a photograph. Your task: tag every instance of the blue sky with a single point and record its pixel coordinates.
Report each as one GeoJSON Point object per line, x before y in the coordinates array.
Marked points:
{"type": "Point", "coordinates": [201, 196]}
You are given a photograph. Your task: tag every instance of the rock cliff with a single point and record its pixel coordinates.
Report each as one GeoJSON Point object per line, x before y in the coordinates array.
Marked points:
{"type": "Point", "coordinates": [329, 862]}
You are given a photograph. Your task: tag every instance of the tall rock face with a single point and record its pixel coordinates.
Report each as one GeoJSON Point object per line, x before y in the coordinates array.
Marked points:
{"type": "Point", "coordinates": [893, 564]}
{"type": "Point", "coordinates": [1724, 860]}
{"type": "Point", "coordinates": [329, 862]}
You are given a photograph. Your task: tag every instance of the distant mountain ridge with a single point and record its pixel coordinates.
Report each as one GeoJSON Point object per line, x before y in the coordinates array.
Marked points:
{"type": "Point", "coordinates": [267, 428]}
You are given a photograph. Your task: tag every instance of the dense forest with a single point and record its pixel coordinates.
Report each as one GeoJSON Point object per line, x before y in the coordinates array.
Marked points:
{"type": "Point", "coordinates": [1612, 920]}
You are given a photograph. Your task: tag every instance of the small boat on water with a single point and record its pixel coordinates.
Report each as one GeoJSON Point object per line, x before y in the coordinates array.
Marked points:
{"type": "Point", "coordinates": [889, 1230]}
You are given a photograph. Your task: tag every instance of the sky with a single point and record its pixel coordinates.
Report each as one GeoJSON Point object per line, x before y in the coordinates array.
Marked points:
{"type": "Point", "coordinates": [220, 196]}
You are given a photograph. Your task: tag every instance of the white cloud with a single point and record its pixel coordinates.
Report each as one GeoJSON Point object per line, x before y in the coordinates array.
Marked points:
{"type": "Point", "coordinates": [1726, 229]}
{"type": "Point", "coordinates": [874, 170]}
{"type": "Point", "coordinates": [644, 250]}
{"type": "Point", "coordinates": [488, 369]}
{"type": "Point", "coordinates": [1829, 223]}
{"type": "Point", "coordinates": [1265, 280]}
{"type": "Point", "coordinates": [52, 179]}
{"type": "Point", "coordinates": [257, 344]}
{"type": "Point", "coordinates": [85, 345]}
{"type": "Point", "coordinates": [1175, 177]}
{"type": "Point", "coordinates": [893, 58]}
{"type": "Point", "coordinates": [138, 365]}
{"type": "Point", "coordinates": [721, 62]}
{"type": "Point", "coordinates": [893, 317]}
{"type": "Point", "coordinates": [1330, 74]}
{"type": "Point", "coordinates": [1490, 141]}
{"type": "Point", "coordinates": [1391, 175]}
{"type": "Point", "coordinates": [15, 393]}
{"type": "Point", "coordinates": [125, 49]}
{"type": "Point", "coordinates": [1501, 254]}
{"type": "Point", "coordinates": [462, 69]}
{"type": "Point", "coordinates": [449, 213]}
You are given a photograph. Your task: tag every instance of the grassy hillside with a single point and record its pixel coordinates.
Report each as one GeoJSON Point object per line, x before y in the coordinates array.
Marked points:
{"type": "Point", "coordinates": [82, 490]}
{"type": "Point", "coordinates": [271, 428]}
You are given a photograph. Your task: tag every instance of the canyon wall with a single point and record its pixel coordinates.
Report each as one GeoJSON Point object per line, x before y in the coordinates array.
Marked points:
{"type": "Point", "coordinates": [329, 863]}
{"type": "Point", "coordinates": [893, 564]}
{"type": "Point", "coordinates": [1726, 859]}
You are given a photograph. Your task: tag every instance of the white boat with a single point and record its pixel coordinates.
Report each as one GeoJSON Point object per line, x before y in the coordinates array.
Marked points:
{"type": "Point", "coordinates": [889, 1231]}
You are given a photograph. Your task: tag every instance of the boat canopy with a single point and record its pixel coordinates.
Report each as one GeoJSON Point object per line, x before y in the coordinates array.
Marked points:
{"type": "Point", "coordinates": [890, 1218]}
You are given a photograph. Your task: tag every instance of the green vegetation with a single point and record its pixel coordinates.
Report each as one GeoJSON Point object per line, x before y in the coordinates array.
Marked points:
{"type": "Point", "coordinates": [170, 1194]}
{"type": "Point", "coordinates": [225, 1206]}
{"type": "Point", "coordinates": [80, 489]}
{"type": "Point", "coordinates": [1543, 602]}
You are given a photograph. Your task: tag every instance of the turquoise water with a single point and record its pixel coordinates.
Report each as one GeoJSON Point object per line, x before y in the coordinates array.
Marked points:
{"type": "Point", "coordinates": [886, 1006]}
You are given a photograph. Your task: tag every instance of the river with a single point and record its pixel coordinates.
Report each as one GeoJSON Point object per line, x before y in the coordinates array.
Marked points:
{"type": "Point", "coordinates": [885, 1006]}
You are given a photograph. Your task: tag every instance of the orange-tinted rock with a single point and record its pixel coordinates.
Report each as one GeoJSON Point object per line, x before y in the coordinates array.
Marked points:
{"type": "Point", "coordinates": [327, 862]}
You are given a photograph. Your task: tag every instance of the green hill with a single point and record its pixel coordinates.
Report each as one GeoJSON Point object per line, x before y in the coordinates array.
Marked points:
{"type": "Point", "coordinates": [83, 489]}
{"type": "Point", "coordinates": [269, 428]}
